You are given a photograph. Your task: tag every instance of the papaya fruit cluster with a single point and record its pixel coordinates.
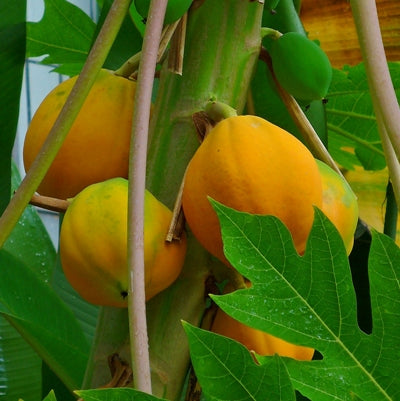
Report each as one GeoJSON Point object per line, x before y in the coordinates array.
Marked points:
{"type": "Point", "coordinates": [91, 169]}
{"type": "Point", "coordinates": [253, 166]}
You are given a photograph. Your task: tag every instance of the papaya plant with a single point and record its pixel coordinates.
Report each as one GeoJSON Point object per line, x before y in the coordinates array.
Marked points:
{"type": "Point", "coordinates": [220, 120]}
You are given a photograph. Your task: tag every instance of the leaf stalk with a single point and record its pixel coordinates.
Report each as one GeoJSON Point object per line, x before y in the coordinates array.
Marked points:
{"type": "Point", "coordinates": [137, 182]}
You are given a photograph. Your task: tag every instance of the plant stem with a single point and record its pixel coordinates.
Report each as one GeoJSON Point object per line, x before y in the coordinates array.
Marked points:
{"type": "Point", "coordinates": [390, 156]}
{"type": "Point", "coordinates": [65, 119]}
{"type": "Point", "coordinates": [381, 86]}
{"type": "Point", "coordinates": [137, 181]}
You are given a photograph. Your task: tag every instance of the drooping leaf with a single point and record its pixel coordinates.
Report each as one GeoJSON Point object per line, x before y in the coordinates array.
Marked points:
{"type": "Point", "coordinates": [20, 367]}
{"type": "Point", "coordinates": [12, 59]}
{"type": "Point", "coordinates": [39, 315]}
{"type": "Point", "coordinates": [116, 394]}
{"type": "Point", "coordinates": [64, 35]}
{"type": "Point", "coordinates": [29, 241]}
{"type": "Point", "coordinates": [85, 313]}
{"type": "Point", "coordinates": [310, 301]}
{"type": "Point", "coordinates": [227, 371]}
{"type": "Point", "coordinates": [352, 129]}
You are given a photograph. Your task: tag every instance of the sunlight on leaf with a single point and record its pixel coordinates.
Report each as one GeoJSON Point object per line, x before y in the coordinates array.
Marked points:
{"type": "Point", "coordinates": [64, 34]}
{"type": "Point", "coordinates": [353, 133]}
{"type": "Point", "coordinates": [310, 301]}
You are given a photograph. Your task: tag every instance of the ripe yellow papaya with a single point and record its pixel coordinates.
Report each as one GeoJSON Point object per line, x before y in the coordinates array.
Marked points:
{"type": "Point", "coordinates": [93, 244]}
{"type": "Point", "coordinates": [339, 203]}
{"type": "Point", "coordinates": [254, 166]}
{"type": "Point", "coordinates": [97, 145]}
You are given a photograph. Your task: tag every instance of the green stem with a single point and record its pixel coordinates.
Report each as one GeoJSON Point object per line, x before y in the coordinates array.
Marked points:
{"type": "Point", "coordinates": [219, 111]}
{"type": "Point", "coordinates": [66, 118]}
{"type": "Point", "coordinates": [390, 156]}
{"type": "Point", "coordinates": [137, 178]}
{"type": "Point", "coordinates": [130, 66]}
{"type": "Point", "coordinates": [272, 33]}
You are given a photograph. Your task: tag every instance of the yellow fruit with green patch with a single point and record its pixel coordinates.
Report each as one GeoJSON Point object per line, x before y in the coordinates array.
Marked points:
{"type": "Point", "coordinates": [339, 203]}
{"type": "Point", "coordinates": [93, 244]}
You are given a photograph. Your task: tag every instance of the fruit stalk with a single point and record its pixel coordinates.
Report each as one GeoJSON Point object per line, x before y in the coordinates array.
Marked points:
{"type": "Point", "coordinates": [307, 131]}
{"type": "Point", "coordinates": [66, 118]}
{"type": "Point", "coordinates": [137, 178]}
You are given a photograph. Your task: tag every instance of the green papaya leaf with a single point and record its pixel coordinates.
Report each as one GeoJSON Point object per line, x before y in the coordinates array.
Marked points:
{"type": "Point", "coordinates": [28, 241]}
{"type": "Point", "coordinates": [85, 313]}
{"type": "Point", "coordinates": [64, 35]}
{"type": "Point", "coordinates": [352, 129]}
{"type": "Point", "coordinates": [116, 394]}
{"type": "Point", "coordinates": [22, 380]}
{"type": "Point", "coordinates": [12, 59]}
{"type": "Point", "coordinates": [310, 300]}
{"type": "Point", "coordinates": [39, 315]}
{"type": "Point", "coordinates": [227, 371]}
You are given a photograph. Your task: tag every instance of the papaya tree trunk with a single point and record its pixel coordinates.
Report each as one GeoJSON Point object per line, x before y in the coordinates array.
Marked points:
{"type": "Point", "coordinates": [222, 46]}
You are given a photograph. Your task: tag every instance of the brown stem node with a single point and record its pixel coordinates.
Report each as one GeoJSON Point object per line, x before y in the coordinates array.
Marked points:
{"type": "Point", "coordinates": [49, 203]}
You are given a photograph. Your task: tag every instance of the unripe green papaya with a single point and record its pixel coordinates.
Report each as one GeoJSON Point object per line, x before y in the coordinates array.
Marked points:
{"type": "Point", "coordinates": [301, 66]}
{"type": "Point", "coordinates": [175, 9]}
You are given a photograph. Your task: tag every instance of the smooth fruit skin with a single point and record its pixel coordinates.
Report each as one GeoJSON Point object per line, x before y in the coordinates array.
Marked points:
{"type": "Point", "coordinates": [251, 165]}
{"type": "Point", "coordinates": [256, 340]}
{"type": "Point", "coordinates": [175, 9]}
{"type": "Point", "coordinates": [96, 147]}
{"type": "Point", "coordinates": [93, 244]}
{"type": "Point", "coordinates": [339, 203]}
{"type": "Point", "coordinates": [301, 66]}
